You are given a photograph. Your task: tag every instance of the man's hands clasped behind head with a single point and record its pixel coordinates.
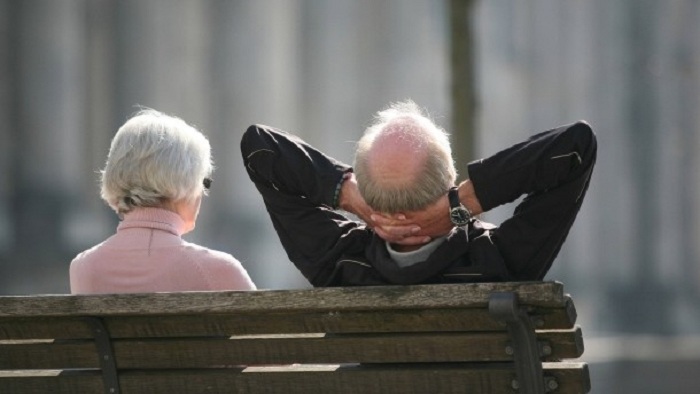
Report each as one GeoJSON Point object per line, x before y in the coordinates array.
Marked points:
{"type": "Point", "coordinates": [407, 228]}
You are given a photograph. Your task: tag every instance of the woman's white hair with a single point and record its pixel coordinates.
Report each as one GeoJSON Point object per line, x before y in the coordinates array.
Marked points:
{"type": "Point", "coordinates": [437, 175]}
{"type": "Point", "coordinates": [155, 158]}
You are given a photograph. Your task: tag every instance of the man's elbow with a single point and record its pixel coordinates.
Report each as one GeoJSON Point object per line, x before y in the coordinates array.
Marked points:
{"type": "Point", "coordinates": [583, 134]}
{"type": "Point", "coordinates": [583, 129]}
{"type": "Point", "coordinates": [583, 141]}
{"type": "Point", "coordinates": [250, 139]}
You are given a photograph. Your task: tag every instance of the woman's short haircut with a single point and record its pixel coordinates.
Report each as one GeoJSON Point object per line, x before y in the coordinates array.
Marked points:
{"type": "Point", "coordinates": [437, 175]}
{"type": "Point", "coordinates": [155, 158]}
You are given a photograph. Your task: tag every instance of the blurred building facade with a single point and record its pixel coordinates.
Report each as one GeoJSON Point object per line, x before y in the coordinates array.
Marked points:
{"type": "Point", "coordinates": [74, 70]}
{"type": "Point", "coordinates": [71, 71]}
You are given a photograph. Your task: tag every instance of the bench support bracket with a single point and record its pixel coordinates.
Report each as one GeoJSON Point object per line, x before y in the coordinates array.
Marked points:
{"type": "Point", "coordinates": [106, 354]}
{"type": "Point", "coordinates": [504, 307]}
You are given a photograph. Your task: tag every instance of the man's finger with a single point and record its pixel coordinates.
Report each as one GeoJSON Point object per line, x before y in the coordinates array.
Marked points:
{"type": "Point", "coordinates": [400, 231]}
{"type": "Point", "coordinates": [388, 237]}
{"type": "Point", "coordinates": [414, 240]}
{"type": "Point", "coordinates": [396, 234]}
{"type": "Point", "coordinates": [388, 219]}
{"type": "Point", "coordinates": [381, 220]}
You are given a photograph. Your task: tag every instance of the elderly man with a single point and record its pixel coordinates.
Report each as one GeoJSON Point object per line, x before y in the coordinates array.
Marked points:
{"type": "Point", "coordinates": [418, 226]}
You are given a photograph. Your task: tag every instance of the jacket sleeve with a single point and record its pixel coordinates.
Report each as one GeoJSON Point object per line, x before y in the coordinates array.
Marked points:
{"type": "Point", "coordinates": [298, 185]}
{"type": "Point", "coordinates": [552, 170]}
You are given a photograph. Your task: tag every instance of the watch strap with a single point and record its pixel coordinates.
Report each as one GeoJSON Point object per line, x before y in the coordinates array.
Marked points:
{"type": "Point", "coordinates": [453, 196]}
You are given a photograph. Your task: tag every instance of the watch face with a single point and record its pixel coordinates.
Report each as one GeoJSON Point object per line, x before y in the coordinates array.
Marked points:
{"type": "Point", "coordinates": [459, 216]}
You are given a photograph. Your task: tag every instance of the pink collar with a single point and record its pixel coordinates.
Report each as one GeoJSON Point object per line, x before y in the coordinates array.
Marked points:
{"type": "Point", "coordinates": [157, 218]}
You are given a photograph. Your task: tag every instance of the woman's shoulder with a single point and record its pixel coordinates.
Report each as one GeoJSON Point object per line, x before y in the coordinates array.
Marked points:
{"type": "Point", "coordinates": [88, 254]}
{"type": "Point", "coordinates": [224, 272]}
{"type": "Point", "coordinates": [208, 255]}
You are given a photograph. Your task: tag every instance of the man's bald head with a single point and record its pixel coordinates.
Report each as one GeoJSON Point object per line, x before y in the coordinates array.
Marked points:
{"type": "Point", "coordinates": [403, 161]}
{"type": "Point", "coordinates": [396, 157]}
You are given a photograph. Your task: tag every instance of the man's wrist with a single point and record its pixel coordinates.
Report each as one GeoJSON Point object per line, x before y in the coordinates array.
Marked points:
{"type": "Point", "coordinates": [343, 195]}
{"type": "Point", "coordinates": [467, 196]}
{"type": "Point", "coordinates": [459, 214]}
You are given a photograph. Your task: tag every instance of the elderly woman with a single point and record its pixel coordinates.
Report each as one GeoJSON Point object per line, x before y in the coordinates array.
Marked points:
{"type": "Point", "coordinates": [157, 171]}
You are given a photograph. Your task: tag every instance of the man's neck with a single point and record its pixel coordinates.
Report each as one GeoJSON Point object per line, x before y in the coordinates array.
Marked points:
{"type": "Point", "coordinates": [406, 248]}
{"type": "Point", "coordinates": [405, 255]}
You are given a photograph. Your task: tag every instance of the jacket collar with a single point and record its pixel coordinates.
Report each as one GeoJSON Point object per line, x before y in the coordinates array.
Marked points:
{"type": "Point", "coordinates": [455, 246]}
{"type": "Point", "coordinates": [156, 218]}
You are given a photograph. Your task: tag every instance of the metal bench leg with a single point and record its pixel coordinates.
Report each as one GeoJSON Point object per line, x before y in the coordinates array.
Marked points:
{"type": "Point", "coordinates": [504, 307]}
{"type": "Point", "coordinates": [106, 354]}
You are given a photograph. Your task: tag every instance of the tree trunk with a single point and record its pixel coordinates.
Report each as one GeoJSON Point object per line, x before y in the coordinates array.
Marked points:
{"type": "Point", "coordinates": [463, 100]}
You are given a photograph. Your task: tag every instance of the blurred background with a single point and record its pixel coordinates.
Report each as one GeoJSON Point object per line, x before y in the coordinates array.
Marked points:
{"type": "Point", "coordinates": [491, 71]}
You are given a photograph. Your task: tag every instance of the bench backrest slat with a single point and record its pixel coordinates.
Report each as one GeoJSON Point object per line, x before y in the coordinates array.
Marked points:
{"type": "Point", "coordinates": [260, 350]}
{"type": "Point", "coordinates": [338, 299]}
{"type": "Point", "coordinates": [468, 319]}
{"type": "Point", "coordinates": [451, 378]}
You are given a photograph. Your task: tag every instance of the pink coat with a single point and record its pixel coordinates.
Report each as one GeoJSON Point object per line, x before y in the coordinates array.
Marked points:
{"type": "Point", "coordinates": [147, 254]}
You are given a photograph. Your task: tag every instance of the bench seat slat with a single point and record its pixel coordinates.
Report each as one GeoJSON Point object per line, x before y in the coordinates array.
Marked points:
{"type": "Point", "coordinates": [319, 348]}
{"type": "Point", "coordinates": [494, 378]}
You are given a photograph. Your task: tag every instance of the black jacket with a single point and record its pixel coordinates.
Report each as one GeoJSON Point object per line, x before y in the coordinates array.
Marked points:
{"type": "Point", "coordinates": [298, 184]}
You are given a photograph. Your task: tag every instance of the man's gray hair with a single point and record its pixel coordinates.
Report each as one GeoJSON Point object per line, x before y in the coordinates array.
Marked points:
{"type": "Point", "coordinates": [436, 176]}
{"type": "Point", "coordinates": [155, 158]}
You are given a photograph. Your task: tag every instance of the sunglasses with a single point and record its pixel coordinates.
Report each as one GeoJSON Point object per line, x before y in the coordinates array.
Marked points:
{"type": "Point", "coordinates": [207, 183]}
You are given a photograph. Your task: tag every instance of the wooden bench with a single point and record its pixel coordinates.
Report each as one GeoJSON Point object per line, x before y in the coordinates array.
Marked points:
{"type": "Point", "coordinates": [453, 338]}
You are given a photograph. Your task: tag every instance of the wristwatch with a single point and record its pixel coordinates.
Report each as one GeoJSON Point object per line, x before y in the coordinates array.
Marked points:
{"type": "Point", "coordinates": [459, 214]}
